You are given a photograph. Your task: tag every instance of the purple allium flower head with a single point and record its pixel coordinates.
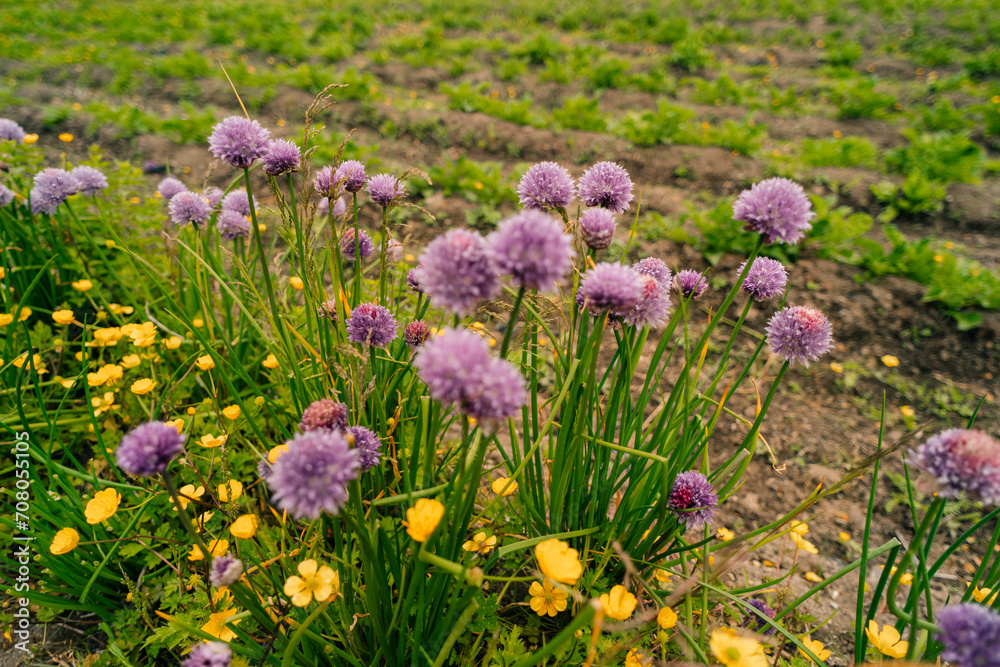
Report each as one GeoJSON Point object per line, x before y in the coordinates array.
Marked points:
{"type": "Point", "coordinates": [348, 247]}
{"type": "Point", "coordinates": [393, 250]}
{"type": "Point", "coordinates": [970, 634]}
{"type": "Point", "coordinates": [339, 207]}
{"type": "Point", "coordinates": [368, 445]}
{"type": "Point", "coordinates": [371, 324]}
{"type": "Point", "coordinates": [91, 180]}
{"type": "Point", "coordinates": [606, 185]}
{"type": "Point", "coordinates": [385, 189]}
{"type": "Point", "coordinates": [690, 284]}
{"type": "Point", "coordinates": [777, 208]}
{"type": "Point", "coordinates": [328, 310]}
{"type": "Point", "coordinates": [545, 186]}
{"type": "Point", "coordinates": [502, 395]}
{"type": "Point", "coordinates": [324, 184]}
{"type": "Point", "coordinates": [209, 654]}
{"type": "Point", "coordinates": [6, 195]}
{"type": "Point", "coordinates": [651, 310]}
{"type": "Point", "coordinates": [324, 413]}
{"type": "Point", "coordinates": [597, 225]}
{"type": "Point", "coordinates": [51, 187]}
{"type": "Point", "coordinates": [692, 499]}
{"type": "Point", "coordinates": [799, 333]}
{"type": "Point", "coordinates": [283, 157]}
{"type": "Point", "coordinates": [416, 334]}
{"type": "Point", "coordinates": [652, 266]}
{"type": "Point", "coordinates": [766, 278]}
{"type": "Point", "coordinates": [413, 279]}
{"type": "Point", "coordinates": [169, 187]}
{"type": "Point", "coordinates": [188, 207]}
{"type": "Point", "coordinates": [232, 224]}
{"type": "Point", "coordinates": [458, 272]}
{"type": "Point", "coordinates": [10, 131]}
{"type": "Point", "coordinates": [226, 570]}
{"type": "Point", "coordinates": [264, 468]}
{"type": "Point", "coordinates": [350, 175]}
{"type": "Point", "coordinates": [609, 287]}
{"type": "Point", "coordinates": [212, 195]}
{"type": "Point", "coordinates": [149, 448]}
{"type": "Point", "coordinates": [238, 201]}
{"type": "Point", "coordinates": [533, 248]}
{"type": "Point", "coordinates": [961, 461]}
{"type": "Point", "coordinates": [238, 141]}
{"type": "Point", "coordinates": [754, 622]}
{"type": "Point", "coordinates": [313, 474]}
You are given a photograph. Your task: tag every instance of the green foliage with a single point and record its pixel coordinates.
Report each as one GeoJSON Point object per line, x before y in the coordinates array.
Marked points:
{"type": "Point", "coordinates": [666, 125]}
{"type": "Point", "coordinates": [859, 99]}
{"type": "Point", "coordinates": [943, 157]}
{"type": "Point", "coordinates": [843, 54]}
{"type": "Point", "coordinates": [580, 113]}
{"type": "Point", "coordinates": [857, 152]}
{"type": "Point", "coordinates": [917, 196]}
{"type": "Point", "coordinates": [464, 97]}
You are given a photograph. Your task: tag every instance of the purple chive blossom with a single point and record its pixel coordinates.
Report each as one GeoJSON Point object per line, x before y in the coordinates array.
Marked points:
{"type": "Point", "coordinates": [799, 333]}
{"type": "Point", "coordinates": [10, 131]}
{"type": "Point", "coordinates": [766, 278]}
{"type": "Point", "coordinates": [606, 185]}
{"type": "Point", "coordinates": [232, 224]}
{"type": "Point", "coordinates": [324, 183]}
{"type": "Point", "coordinates": [597, 225]}
{"type": "Point", "coordinates": [393, 250]}
{"type": "Point", "coordinates": [264, 468]}
{"type": "Point", "coordinates": [209, 654]}
{"type": "Point", "coordinates": [651, 310]}
{"type": "Point", "coordinates": [970, 634]}
{"type": "Point", "coordinates": [91, 180]}
{"type": "Point", "coordinates": [212, 195]}
{"type": "Point", "coordinates": [753, 621]}
{"type": "Point", "coordinates": [169, 187]}
{"type": "Point", "coordinates": [546, 186]}
{"type": "Point", "coordinates": [188, 207]}
{"type": "Point", "coordinates": [533, 248]}
{"type": "Point", "coordinates": [339, 207]}
{"type": "Point", "coordinates": [6, 195]}
{"type": "Point", "coordinates": [777, 208]}
{"type": "Point", "coordinates": [502, 395]}
{"type": "Point", "coordinates": [226, 571]}
{"type": "Point", "coordinates": [371, 324]}
{"type": "Point", "coordinates": [413, 280]}
{"type": "Point", "coordinates": [149, 448]}
{"type": "Point", "coordinates": [416, 334]}
{"type": "Point", "coordinates": [238, 201]}
{"type": "Point", "coordinates": [692, 499]}
{"type": "Point", "coordinates": [238, 141]}
{"type": "Point", "coordinates": [312, 476]}
{"type": "Point", "coordinates": [51, 188]}
{"type": "Point", "coordinates": [328, 310]}
{"type": "Point", "coordinates": [324, 413]}
{"type": "Point", "coordinates": [348, 247]}
{"type": "Point", "coordinates": [385, 189]}
{"type": "Point", "coordinates": [651, 266]}
{"type": "Point", "coordinates": [368, 445]}
{"type": "Point", "coordinates": [690, 284]}
{"type": "Point", "coordinates": [457, 272]}
{"type": "Point", "coordinates": [282, 157]}
{"type": "Point", "coordinates": [350, 175]}
{"type": "Point", "coordinates": [961, 461]}
{"type": "Point", "coordinates": [609, 287]}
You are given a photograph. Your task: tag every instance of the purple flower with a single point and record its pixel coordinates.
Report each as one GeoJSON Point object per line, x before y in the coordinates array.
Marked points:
{"type": "Point", "coordinates": [413, 279]}
{"type": "Point", "coordinates": [385, 189]}
{"type": "Point", "coordinates": [692, 499]}
{"type": "Point", "coordinates": [188, 207]}
{"type": "Point", "coordinates": [597, 225]}
{"type": "Point", "coordinates": [238, 141]}
{"type": "Point", "coordinates": [777, 208]}
{"type": "Point", "coordinates": [324, 183]}
{"type": "Point", "coordinates": [149, 448]}
{"type": "Point", "coordinates": [313, 474]}
{"type": "Point", "coordinates": [545, 186]}
{"type": "Point", "coordinates": [416, 334]}
{"type": "Point", "coordinates": [324, 413]}
{"type": "Point", "coordinates": [211, 194]}
{"type": "Point", "coordinates": [350, 175]}
{"type": "Point", "coordinates": [766, 278]}
{"type": "Point", "coordinates": [532, 247]}
{"type": "Point", "coordinates": [368, 445]}
{"type": "Point", "coordinates": [371, 324]}
{"type": "Point", "coordinates": [609, 287]}
{"type": "Point", "coordinates": [10, 131]}
{"type": "Point", "coordinates": [690, 284]}
{"type": "Point", "coordinates": [6, 195]}
{"type": "Point", "coordinates": [328, 310]}
{"type": "Point", "coordinates": [799, 333]}
{"type": "Point", "coordinates": [232, 224]}
{"type": "Point", "coordinates": [753, 621]}
{"type": "Point", "coordinates": [282, 157]}
{"type": "Point", "coordinates": [169, 187]}
{"type": "Point", "coordinates": [606, 185]}
{"type": "Point", "coordinates": [339, 207]}
{"type": "Point", "coordinates": [651, 266]}
{"type": "Point", "coordinates": [457, 271]}
{"type": "Point", "coordinates": [91, 180]}
{"type": "Point", "coordinates": [238, 201]}
{"type": "Point", "coordinates": [961, 461]}
{"type": "Point", "coordinates": [652, 308]}
{"type": "Point", "coordinates": [51, 187]}
{"type": "Point", "coordinates": [970, 634]}
{"type": "Point", "coordinates": [264, 468]}
{"type": "Point", "coordinates": [226, 570]}
{"type": "Point", "coordinates": [348, 247]}
{"type": "Point", "coordinates": [209, 654]}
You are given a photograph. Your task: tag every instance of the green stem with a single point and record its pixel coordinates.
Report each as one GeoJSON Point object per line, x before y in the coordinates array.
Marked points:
{"type": "Point", "coordinates": [510, 323]}
{"type": "Point", "coordinates": [915, 543]}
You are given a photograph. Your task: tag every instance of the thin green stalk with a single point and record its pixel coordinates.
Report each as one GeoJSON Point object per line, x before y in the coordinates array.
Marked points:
{"type": "Point", "coordinates": [512, 321]}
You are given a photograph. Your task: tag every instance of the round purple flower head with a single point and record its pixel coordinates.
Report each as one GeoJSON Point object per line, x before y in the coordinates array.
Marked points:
{"type": "Point", "coordinates": [799, 333]}
{"type": "Point", "coordinates": [753, 621]}
{"type": "Point", "coordinates": [169, 187]}
{"type": "Point", "coordinates": [961, 461]}
{"type": "Point", "coordinates": [777, 208]}
{"type": "Point", "coordinates": [324, 183]}
{"type": "Point", "coordinates": [6, 195]}
{"type": "Point", "coordinates": [51, 188]}
{"type": "Point", "coordinates": [324, 413]}
{"type": "Point", "coordinates": [282, 157]}
{"type": "Point", "coordinates": [91, 180]}
{"type": "Point", "coordinates": [545, 186]}
{"type": "Point", "coordinates": [416, 334]}
{"type": "Point", "coordinates": [328, 310]}
{"type": "Point", "coordinates": [209, 654]}
{"type": "Point", "coordinates": [238, 201]}
{"type": "Point", "coordinates": [212, 195]}
{"type": "Point", "coordinates": [350, 175]}
{"type": "Point", "coordinates": [264, 468]}
{"type": "Point", "coordinates": [368, 445]}
{"type": "Point", "coordinates": [238, 141]}
{"type": "Point", "coordinates": [457, 272]}
{"type": "Point", "coordinates": [690, 284]}
{"type": "Point", "coordinates": [232, 224]}
{"type": "Point", "coordinates": [313, 474]}
{"type": "Point", "coordinates": [652, 266]}
{"type": "Point", "coordinates": [606, 185]}
{"type": "Point", "coordinates": [970, 634]}
{"type": "Point", "coordinates": [348, 247]}
{"type": "Point", "coordinates": [532, 247]}
{"type": "Point", "coordinates": [385, 189]}
{"type": "Point", "coordinates": [692, 499]}
{"type": "Point", "coordinates": [653, 306]}
{"type": "Point", "coordinates": [188, 207]}
{"type": "Point", "coordinates": [10, 131]}
{"type": "Point", "coordinates": [413, 279]}
{"type": "Point", "coordinates": [597, 225]}
{"type": "Point", "coordinates": [766, 278]}
{"type": "Point", "coordinates": [371, 324]}
{"type": "Point", "coordinates": [609, 287]}
{"type": "Point", "coordinates": [226, 570]}
{"type": "Point", "coordinates": [149, 448]}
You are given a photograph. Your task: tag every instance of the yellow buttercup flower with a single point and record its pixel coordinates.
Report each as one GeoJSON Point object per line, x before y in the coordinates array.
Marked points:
{"type": "Point", "coordinates": [816, 647]}
{"type": "Point", "coordinates": [65, 383]}
{"type": "Point", "coordinates": [215, 547]}
{"type": "Point", "coordinates": [803, 544]}
{"type": "Point", "coordinates": [558, 561]}
{"type": "Point", "coordinates": [5, 319]}
{"type": "Point", "coordinates": [733, 650]}
{"type": "Point", "coordinates": [635, 659]}
{"type": "Point", "coordinates": [187, 493]}
{"type": "Point", "coordinates": [172, 343]}
{"type": "Point", "coordinates": [245, 526]}
{"type": "Point", "coordinates": [112, 373]}
{"type": "Point", "coordinates": [262, 227]}
{"type": "Point", "coordinates": [546, 599]}
{"type": "Point", "coordinates": [102, 405]}
{"type": "Point", "coordinates": [210, 441]}
{"type": "Point", "coordinates": [499, 485]}
{"type": "Point", "coordinates": [21, 361]}
{"type": "Point", "coordinates": [983, 595]}
{"type": "Point", "coordinates": [480, 544]}
{"type": "Point", "coordinates": [275, 452]}
{"type": "Point", "coordinates": [30, 138]}
{"type": "Point", "coordinates": [888, 641]}
{"type": "Point", "coordinates": [725, 534]}
{"type": "Point", "coordinates": [106, 336]}
{"type": "Point", "coordinates": [844, 537]}
{"type": "Point", "coordinates": [143, 335]}
{"type": "Point", "coordinates": [313, 581]}
{"type": "Point", "coordinates": [271, 362]}
{"type": "Point", "coordinates": [130, 361]}
{"type": "Point", "coordinates": [813, 577]}
{"type": "Point", "coordinates": [423, 518]}
{"type": "Point", "coordinates": [64, 541]}
{"type": "Point", "coordinates": [63, 317]}
{"type": "Point", "coordinates": [230, 491]}
{"type": "Point", "coordinates": [296, 282]}
{"type": "Point", "coordinates": [907, 411]}
{"type": "Point", "coordinates": [663, 575]}
{"type": "Point", "coordinates": [102, 506]}
{"type": "Point", "coordinates": [216, 625]}
{"type": "Point", "coordinates": [836, 367]}
{"type": "Point", "coordinates": [619, 603]}
{"type": "Point", "coordinates": [205, 363]}
{"type": "Point", "coordinates": [143, 386]}
{"type": "Point", "coordinates": [906, 579]}
{"type": "Point", "coordinates": [799, 527]}
{"type": "Point", "coordinates": [232, 412]}
{"type": "Point", "coordinates": [198, 323]}
{"type": "Point", "coordinates": [82, 285]}
{"type": "Point", "coordinates": [118, 309]}
{"type": "Point", "coordinates": [25, 314]}
{"type": "Point", "coordinates": [66, 137]}
{"type": "Point", "coordinates": [666, 618]}
{"type": "Point", "coordinates": [890, 361]}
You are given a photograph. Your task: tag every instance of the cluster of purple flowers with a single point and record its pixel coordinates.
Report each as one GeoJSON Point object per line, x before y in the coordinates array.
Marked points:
{"type": "Point", "coordinates": [371, 324]}
{"type": "Point", "coordinates": [282, 157]}
{"type": "Point", "coordinates": [610, 288]}
{"type": "Point", "coordinates": [416, 334]}
{"type": "Point", "coordinates": [961, 461]}
{"type": "Point", "coordinates": [597, 226]}
{"type": "Point", "coordinates": [386, 190]}
{"type": "Point", "coordinates": [777, 208]}
{"type": "Point", "coordinates": [546, 186]}
{"type": "Point", "coordinates": [91, 180]}
{"type": "Point", "coordinates": [187, 207]}
{"type": "Point", "coordinates": [169, 187]}
{"type": "Point", "coordinates": [690, 284]}
{"type": "Point", "coordinates": [148, 449]}
{"type": "Point", "coordinates": [457, 272]}
{"type": "Point", "coordinates": [209, 654]}
{"type": "Point", "coordinates": [970, 634]}
{"type": "Point", "coordinates": [654, 304]}
{"type": "Point", "coordinates": [766, 278]}
{"type": "Point", "coordinates": [324, 413]}
{"type": "Point", "coordinates": [239, 141]}
{"type": "Point", "coordinates": [349, 247]}
{"type": "Point", "coordinates": [226, 570]}
{"type": "Point", "coordinates": [51, 188]}
{"type": "Point", "coordinates": [692, 499]}
{"type": "Point", "coordinates": [532, 247]}
{"type": "Point", "coordinates": [799, 334]}
{"type": "Point", "coordinates": [339, 207]}
{"type": "Point", "coordinates": [753, 620]}
{"type": "Point", "coordinates": [10, 131]}
{"type": "Point", "coordinates": [6, 195]}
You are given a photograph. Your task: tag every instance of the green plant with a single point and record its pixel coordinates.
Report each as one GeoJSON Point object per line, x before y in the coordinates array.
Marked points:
{"type": "Point", "coordinates": [858, 152]}
{"type": "Point", "coordinates": [860, 99]}
{"type": "Point", "coordinates": [580, 113]}
{"type": "Point", "coordinates": [943, 157]}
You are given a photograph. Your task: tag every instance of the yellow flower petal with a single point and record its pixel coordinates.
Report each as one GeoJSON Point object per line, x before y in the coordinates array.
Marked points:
{"type": "Point", "coordinates": [143, 386]}
{"type": "Point", "coordinates": [230, 491]}
{"type": "Point", "coordinates": [245, 526]}
{"type": "Point", "coordinates": [64, 541]}
{"type": "Point", "coordinates": [102, 506]}
{"type": "Point", "coordinates": [500, 486]}
{"type": "Point", "coordinates": [666, 618]}
{"type": "Point", "coordinates": [558, 561]}
{"type": "Point", "coordinates": [423, 518]}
